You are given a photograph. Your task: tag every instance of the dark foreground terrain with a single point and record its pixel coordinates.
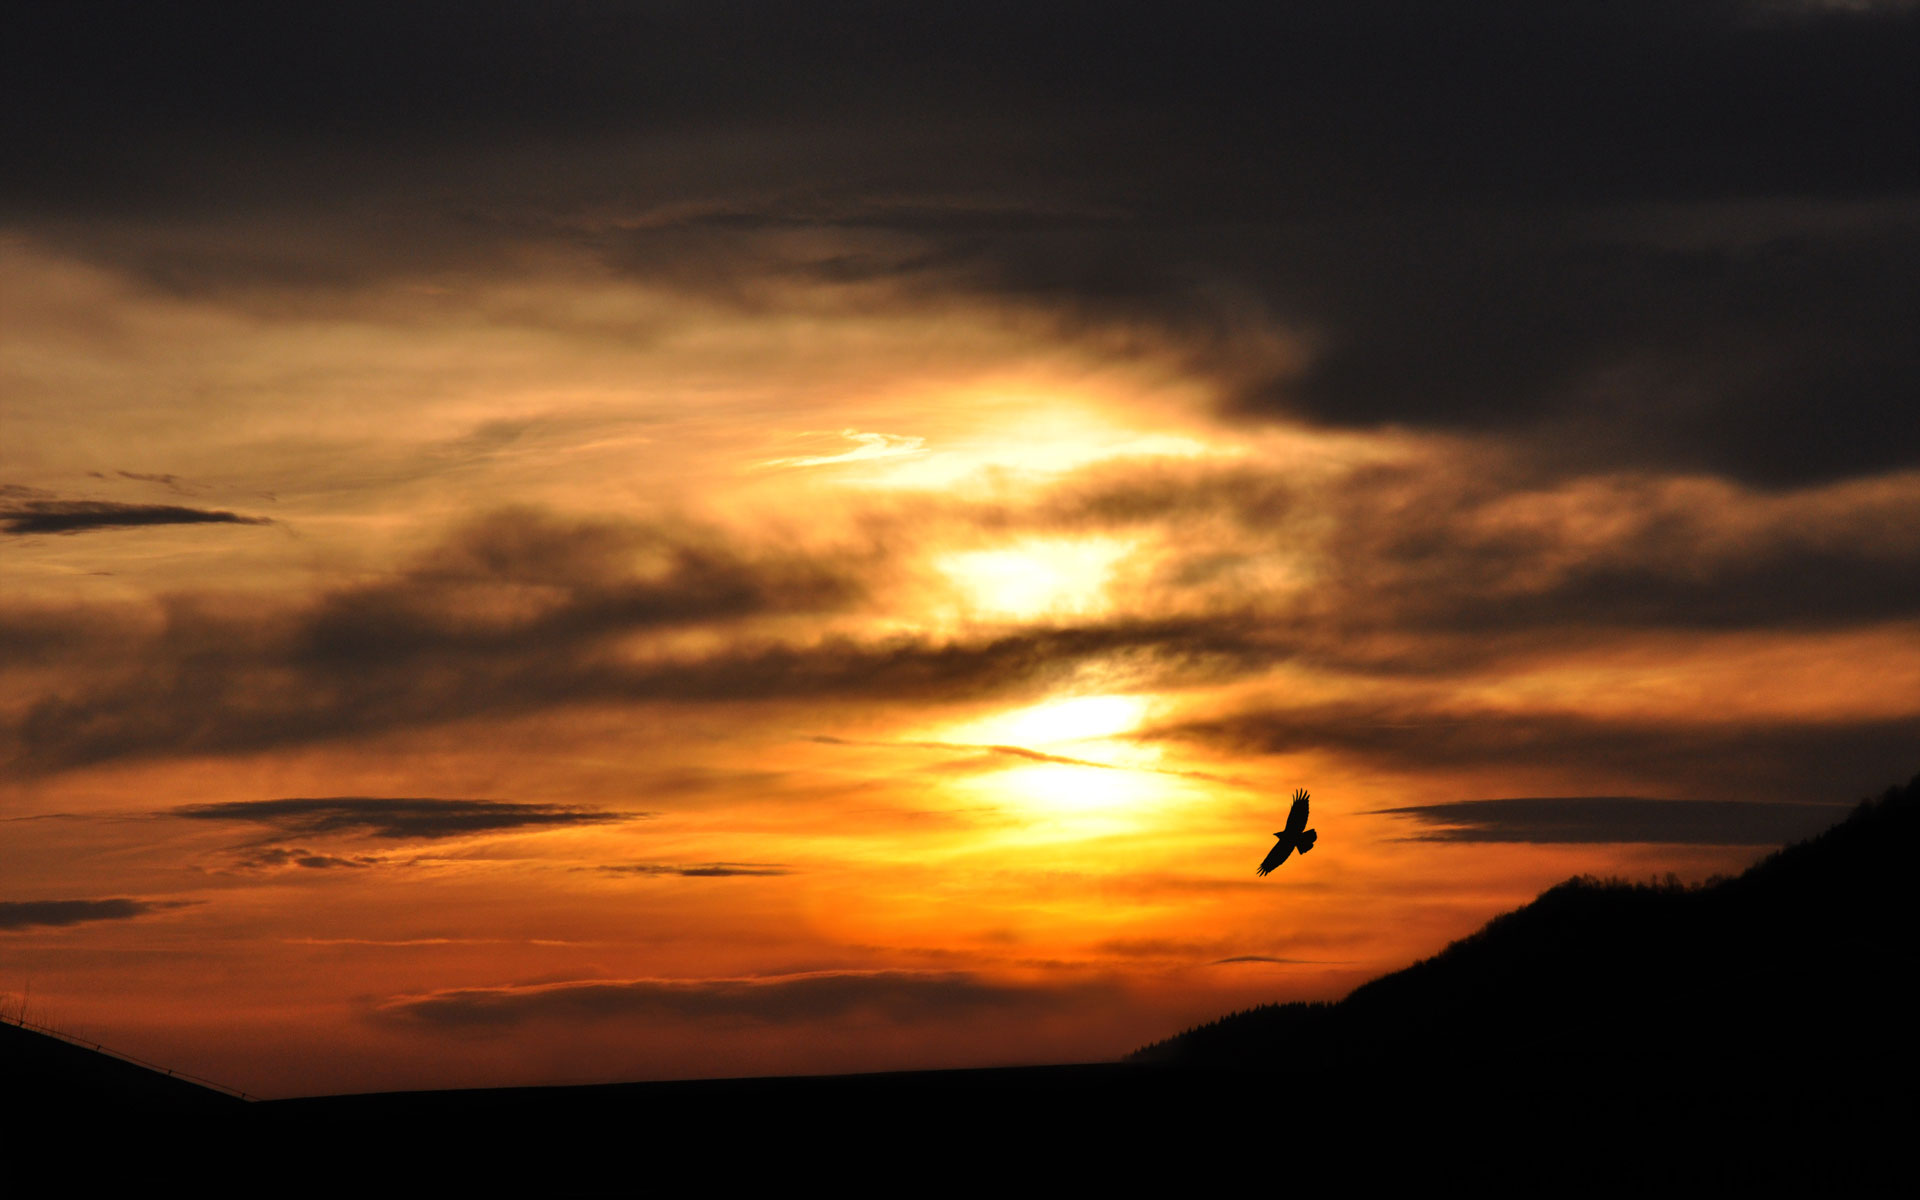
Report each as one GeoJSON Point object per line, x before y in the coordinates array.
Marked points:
{"type": "Point", "coordinates": [1666, 1039]}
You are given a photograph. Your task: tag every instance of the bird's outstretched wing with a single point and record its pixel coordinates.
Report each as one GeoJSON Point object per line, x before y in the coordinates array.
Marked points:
{"type": "Point", "coordinates": [1297, 819]}
{"type": "Point", "coordinates": [1275, 856]}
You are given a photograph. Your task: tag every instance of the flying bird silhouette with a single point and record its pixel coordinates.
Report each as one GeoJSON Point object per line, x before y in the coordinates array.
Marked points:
{"type": "Point", "coordinates": [1296, 836]}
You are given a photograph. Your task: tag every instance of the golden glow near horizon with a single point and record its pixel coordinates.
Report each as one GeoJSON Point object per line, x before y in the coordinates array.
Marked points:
{"type": "Point", "coordinates": [1079, 778]}
{"type": "Point", "coordinates": [816, 686]}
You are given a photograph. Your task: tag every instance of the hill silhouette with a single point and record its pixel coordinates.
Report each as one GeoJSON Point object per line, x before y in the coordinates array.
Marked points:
{"type": "Point", "coordinates": [1784, 973]}
{"type": "Point", "coordinates": [65, 1076]}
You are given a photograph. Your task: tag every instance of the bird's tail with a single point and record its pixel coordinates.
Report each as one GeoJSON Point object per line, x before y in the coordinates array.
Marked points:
{"type": "Point", "coordinates": [1307, 839]}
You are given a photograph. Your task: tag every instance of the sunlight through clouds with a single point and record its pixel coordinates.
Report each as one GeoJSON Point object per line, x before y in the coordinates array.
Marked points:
{"type": "Point", "coordinates": [1063, 802]}
{"type": "Point", "coordinates": [867, 447]}
{"type": "Point", "coordinates": [1056, 722]}
{"type": "Point", "coordinates": [1036, 577]}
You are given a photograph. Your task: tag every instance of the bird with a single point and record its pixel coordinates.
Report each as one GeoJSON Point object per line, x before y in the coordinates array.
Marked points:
{"type": "Point", "coordinates": [1296, 836]}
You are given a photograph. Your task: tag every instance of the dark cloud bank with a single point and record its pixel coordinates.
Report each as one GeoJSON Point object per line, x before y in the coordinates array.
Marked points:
{"type": "Point", "coordinates": [272, 858]}
{"type": "Point", "coordinates": [398, 817]}
{"type": "Point", "coordinates": [27, 914]}
{"type": "Point", "coordinates": [893, 997]}
{"type": "Point", "coordinates": [515, 612]}
{"type": "Point", "coordinates": [1551, 819]}
{"type": "Point", "coordinates": [521, 612]}
{"type": "Point", "coordinates": [1491, 546]}
{"type": "Point", "coordinates": [81, 516]}
{"type": "Point", "coordinates": [1720, 758]}
{"type": "Point", "coordinates": [1660, 233]}
{"type": "Point", "coordinates": [697, 870]}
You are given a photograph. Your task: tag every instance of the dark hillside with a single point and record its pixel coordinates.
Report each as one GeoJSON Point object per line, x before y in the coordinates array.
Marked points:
{"type": "Point", "coordinates": [1790, 982]}
{"type": "Point", "coordinates": [69, 1082]}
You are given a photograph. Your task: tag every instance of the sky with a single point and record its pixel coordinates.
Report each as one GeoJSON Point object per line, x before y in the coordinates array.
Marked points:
{"type": "Point", "coordinates": [575, 542]}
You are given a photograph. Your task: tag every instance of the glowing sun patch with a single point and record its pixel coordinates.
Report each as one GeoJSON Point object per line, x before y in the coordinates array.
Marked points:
{"type": "Point", "coordinates": [1056, 722]}
{"type": "Point", "coordinates": [1036, 577]}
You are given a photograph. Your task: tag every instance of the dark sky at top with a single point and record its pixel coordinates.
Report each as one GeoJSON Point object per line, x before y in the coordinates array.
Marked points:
{"type": "Point", "coordinates": [1678, 235]}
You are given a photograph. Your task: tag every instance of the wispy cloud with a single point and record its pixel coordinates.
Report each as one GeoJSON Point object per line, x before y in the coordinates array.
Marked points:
{"type": "Point", "coordinates": [1027, 754]}
{"type": "Point", "coordinates": [1418, 572]}
{"type": "Point", "coordinates": [1710, 756]}
{"type": "Point", "coordinates": [395, 817]}
{"type": "Point", "coordinates": [718, 870]}
{"type": "Point", "coordinates": [170, 482]}
{"type": "Point", "coordinates": [893, 997]}
{"type": "Point", "coordinates": [408, 943]}
{"type": "Point", "coordinates": [867, 447]}
{"type": "Point", "coordinates": [513, 612]}
{"type": "Point", "coordinates": [522, 613]}
{"type": "Point", "coordinates": [1191, 950]}
{"type": "Point", "coordinates": [271, 858]}
{"type": "Point", "coordinates": [26, 914]}
{"type": "Point", "coordinates": [81, 516]}
{"type": "Point", "coordinates": [1551, 819]}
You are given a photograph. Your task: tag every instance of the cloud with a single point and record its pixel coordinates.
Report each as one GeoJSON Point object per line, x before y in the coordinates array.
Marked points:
{"type": "Point", "coordinates": [1713, 756]}
{"type": "Point", "coordinates": [1464, 542]}
{"type": "Point", "coordinates": [402, 943]}
{"type": "Point", "coordinates": [81, 516]}
{"type": "Point", "coordinates": [520, 578]}
{"type": "Point", "coordinates": [520, 612]}
{"type": "Point", "coordinates": [1425, 569]}
{"type": "Point", "coordinates": [696, 870]}
{"type": "Point", "coordinates": [893, 997]}
{"type": "Point", "coordinates": [1157, 947]}
{"type": "Point", "coordinates": [1559, 819]}
{"type": "Point", "coordinates": [1677, 233]}
{"type": "Point", "coordinates": [1768, 356]}
{"type": "Point", "coordinates": [1026, 754]}
{"type": "Point", "coordinates": [867, 446]}
{"type": "Point", "coordinates": [271, 858]}
{"type": "Point", "coordinates": [1372, 95]}
{"type": "Point", "coordinates": [392, 817]}
{"type": "Point", "coordinates": [1174, 948]}
{"type": "Point", "coordinates": [25, 914]}
{"type": "Point", "coordinates": [515, 612]}
{"type": "Point", "coordinates": [172, 483]}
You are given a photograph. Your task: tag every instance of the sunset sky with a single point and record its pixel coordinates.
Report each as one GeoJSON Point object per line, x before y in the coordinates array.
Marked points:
{"type": "Point", "coordinates": [566, 542]}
